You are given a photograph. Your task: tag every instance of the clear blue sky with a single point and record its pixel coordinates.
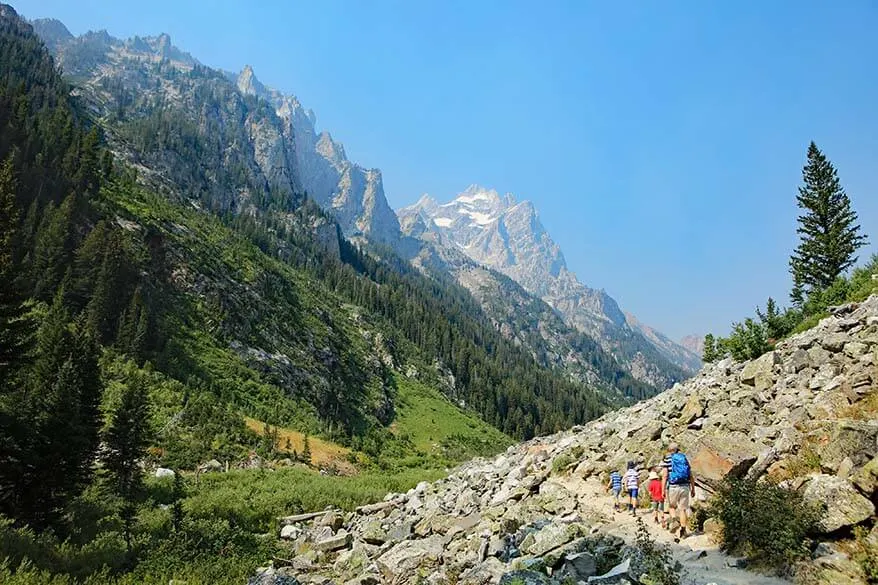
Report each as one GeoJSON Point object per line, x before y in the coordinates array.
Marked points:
{"type": "Point", "coordinates": [662, 142]}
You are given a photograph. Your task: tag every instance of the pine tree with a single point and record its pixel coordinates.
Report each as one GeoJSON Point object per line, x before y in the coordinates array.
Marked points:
{"type": "Point", "coordinates": [830, 235]}
{"type": "Point", "coordinates": [126, 439]}
{"type": "Point", "coordinates": [711, 351]}
{"type": "Point", "coordinates": [14, 328]}
{"type": "Point", "coordinates": [56, 418]}
{"type": "Point", "coordinates": [179, 494]}
{"type": "Point", "coordinates": [306, 451]}
{"type": "Point", "coordinates": [52, 249]}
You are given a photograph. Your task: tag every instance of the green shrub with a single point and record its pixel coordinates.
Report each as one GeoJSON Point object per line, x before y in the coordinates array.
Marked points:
{"type": "Point", "coordinates": [562, 462]}
{"type": "Point", "coordinates": [764, 522]}
{"type": "Point", "coordinates": [652, 560]}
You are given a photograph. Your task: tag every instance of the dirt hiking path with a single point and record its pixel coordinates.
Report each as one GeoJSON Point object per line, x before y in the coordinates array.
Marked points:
{"type": "Point", "coordinates": [703, 562]}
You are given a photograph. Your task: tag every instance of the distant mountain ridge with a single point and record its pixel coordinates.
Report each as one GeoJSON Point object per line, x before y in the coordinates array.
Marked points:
{"type": "Point", "coordinates": [288, 152]}
{"type": "Point", "coordinates": [506, 234]}
{"type": "Point", "coordinates": [257, 139]}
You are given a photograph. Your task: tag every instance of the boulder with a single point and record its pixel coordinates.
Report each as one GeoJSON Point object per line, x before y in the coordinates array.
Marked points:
{"type": "Point", "coordinates": [211, 466]}
{"type": "Point", "coordinates": [332, 519]}
{"type": "Point", "coordinates": [579, 566]}
{"type": "Point", "coordinates": [409, 556]}
{"type": "Point", "coordinates": [798, 361]}
{"type": "Point", "coordinates": [621, 573]}
{"type": "Point", "coordinates": [839, 504]}
{"type": "Point", "coordinates": [834, 342]}
{"type": "Point", "coordinates": [400, 531]}
{"type": "Point", "coordinates": [760, 372]}
{"type": "Point", "coordinates": [373, 532]}
{"type": "Point", "coordinates": [164, 472]}
{"type": "Point", "coordinates": [269, 576]}
{"type": "Point", "coordinates": [693, 410]}
{"type": "Point", "coordinates": [714, 458]}
{"type": "Point", "coordinates": [290, 532]}
{"type": "Point", "coordinates": [488, 571]}
{"type": "Point", "coordinates": [547, 538]}
{"type": "Point", "coordinates": [837, 440]}
{"type": "Point", "coordinates": [866, 479]}
{"type": "Point", "coordinates": [855, 349]}
{"type": "Point", "coordinates": [336, 542]}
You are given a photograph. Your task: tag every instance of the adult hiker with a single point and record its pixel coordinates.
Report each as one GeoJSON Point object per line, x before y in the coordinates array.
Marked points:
{"type": "Point", "coordinates": [631, 481]}
{"type": "Point", "coordinates": [657, 497]}
{"type": "Point", "coordinates": [615, 486]}
{"type": "Point", "coordinates": [679, 483]}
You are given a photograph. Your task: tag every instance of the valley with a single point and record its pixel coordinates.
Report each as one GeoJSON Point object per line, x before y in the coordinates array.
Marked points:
{"type": "Point", "coordinates": [225, 358]}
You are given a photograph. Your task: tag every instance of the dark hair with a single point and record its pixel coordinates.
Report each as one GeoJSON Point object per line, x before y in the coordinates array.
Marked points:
{"type": "Point", "coordinates": [630, 465]}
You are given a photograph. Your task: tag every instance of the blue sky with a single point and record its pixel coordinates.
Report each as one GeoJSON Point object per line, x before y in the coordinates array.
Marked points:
{"type": "Point", "coordinates": [661, 142]}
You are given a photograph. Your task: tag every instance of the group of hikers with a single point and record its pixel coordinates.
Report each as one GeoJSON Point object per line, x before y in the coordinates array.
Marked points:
{"type": "Point", "coordinates": [671, 484]}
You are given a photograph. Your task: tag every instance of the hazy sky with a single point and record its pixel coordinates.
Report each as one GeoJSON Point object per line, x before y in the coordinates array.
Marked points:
{"type": "Point", "coordinates": [662, 142]}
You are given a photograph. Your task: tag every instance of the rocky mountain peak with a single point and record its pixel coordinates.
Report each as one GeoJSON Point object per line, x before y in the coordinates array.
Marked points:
{"type": "Point", "coordinates": [694, 343]}
{"type": "Point", "coordinates": [507, 235]}
{"type": "Point", "coordinates": [52, 31]}
{"type": "Point", "coordinates": [330, 149]}
{"type": "Point", "coordinates": [248, 84]}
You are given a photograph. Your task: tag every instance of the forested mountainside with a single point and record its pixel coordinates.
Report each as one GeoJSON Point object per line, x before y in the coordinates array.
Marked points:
{"type": "Point", "coordinates": [233, 314]}
{"type": "Point", "coordinates": [247, 152]}
{"type": "Point", "coordinates": [506, 235]}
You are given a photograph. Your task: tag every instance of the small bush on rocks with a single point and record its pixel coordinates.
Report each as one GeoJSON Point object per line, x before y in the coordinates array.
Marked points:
{"type": "Point", "coordinates": [764, 522]}
{"type": "Point", "coordinates": [652, 562]}
{"type": "Point", "coordinates": [561, 463]}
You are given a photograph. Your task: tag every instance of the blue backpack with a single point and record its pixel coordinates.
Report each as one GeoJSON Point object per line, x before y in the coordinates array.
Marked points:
{"type": "Point", "coordinates": [679, 473]}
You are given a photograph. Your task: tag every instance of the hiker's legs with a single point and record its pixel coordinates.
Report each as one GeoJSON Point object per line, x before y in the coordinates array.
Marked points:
{"type": "Point", "coordinates": [681, 497]}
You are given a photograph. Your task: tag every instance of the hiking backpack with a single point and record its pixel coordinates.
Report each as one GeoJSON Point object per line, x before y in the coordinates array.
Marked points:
{"type": "Point", "coordinates": [679, 473]}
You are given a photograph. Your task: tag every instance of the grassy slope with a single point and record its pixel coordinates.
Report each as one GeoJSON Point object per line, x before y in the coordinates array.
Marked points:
{"type": "Point", "coordinates": [430, 421]}
{"type": "Point", "coordinates": [322, 452]}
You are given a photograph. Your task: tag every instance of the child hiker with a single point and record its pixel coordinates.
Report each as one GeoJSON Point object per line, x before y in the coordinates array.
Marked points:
{"type": "Point", "coordinates": [615, 486]}
{"type": "Point", "coordinates": [657, 495]}
{"type": "Point", "coordinates": [631, 484]}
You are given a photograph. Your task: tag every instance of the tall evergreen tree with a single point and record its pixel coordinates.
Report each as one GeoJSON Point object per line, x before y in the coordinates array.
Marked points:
{"type": "Point", "coordinates": [830, 234]}
{"type": "Point", "coordinates": [711, 352]}
{"type": "Point", "coordinates": [127, 438]}
{"type": "Point", "coordinates": [57, 420]}
{"type": "Point", "coordinates": [13, 327]}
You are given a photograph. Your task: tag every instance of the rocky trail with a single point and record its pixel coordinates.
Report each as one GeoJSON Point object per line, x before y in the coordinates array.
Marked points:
{"type": "Point", "coordinates": [804, 415]}
{"type": "Point", "coordinates": [699, 554]}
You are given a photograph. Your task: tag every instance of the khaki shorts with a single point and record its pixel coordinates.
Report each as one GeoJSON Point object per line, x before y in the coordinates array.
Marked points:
{"type": "Point", "coordinates": [678, 496]}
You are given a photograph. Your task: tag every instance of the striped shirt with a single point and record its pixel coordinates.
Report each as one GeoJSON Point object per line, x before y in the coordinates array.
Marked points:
{"type": "Point", "coordinates": [616, 480]}
{"type": "Point", "coordinates": [631, 479]}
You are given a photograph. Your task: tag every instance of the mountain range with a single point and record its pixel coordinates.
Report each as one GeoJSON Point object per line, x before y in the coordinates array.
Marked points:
{"type": "Point", "coordinates": [506, 234]}
{"type": "Point", "coordinates": [259, 149]}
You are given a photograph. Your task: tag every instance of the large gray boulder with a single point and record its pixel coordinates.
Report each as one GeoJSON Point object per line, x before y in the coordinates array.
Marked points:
{"type": "Point", "coordinates": [547, 538]}
{"type": "Point", "coordinates": [760, 372]}
{"type": "Point", "coordinates": [409, 556]}
{"type": "Point", "coordinates": [837, 440]}
{"type": "Point", "coordinates": [839, 503]}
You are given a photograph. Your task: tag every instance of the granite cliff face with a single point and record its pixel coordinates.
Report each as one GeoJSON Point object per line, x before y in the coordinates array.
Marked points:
{"type": "Point", "coordinates": [506, 235]}
{"type": "Point", "coordinates": [803, 415]}
{"type": "Point", "coordinates": [242, 137]}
